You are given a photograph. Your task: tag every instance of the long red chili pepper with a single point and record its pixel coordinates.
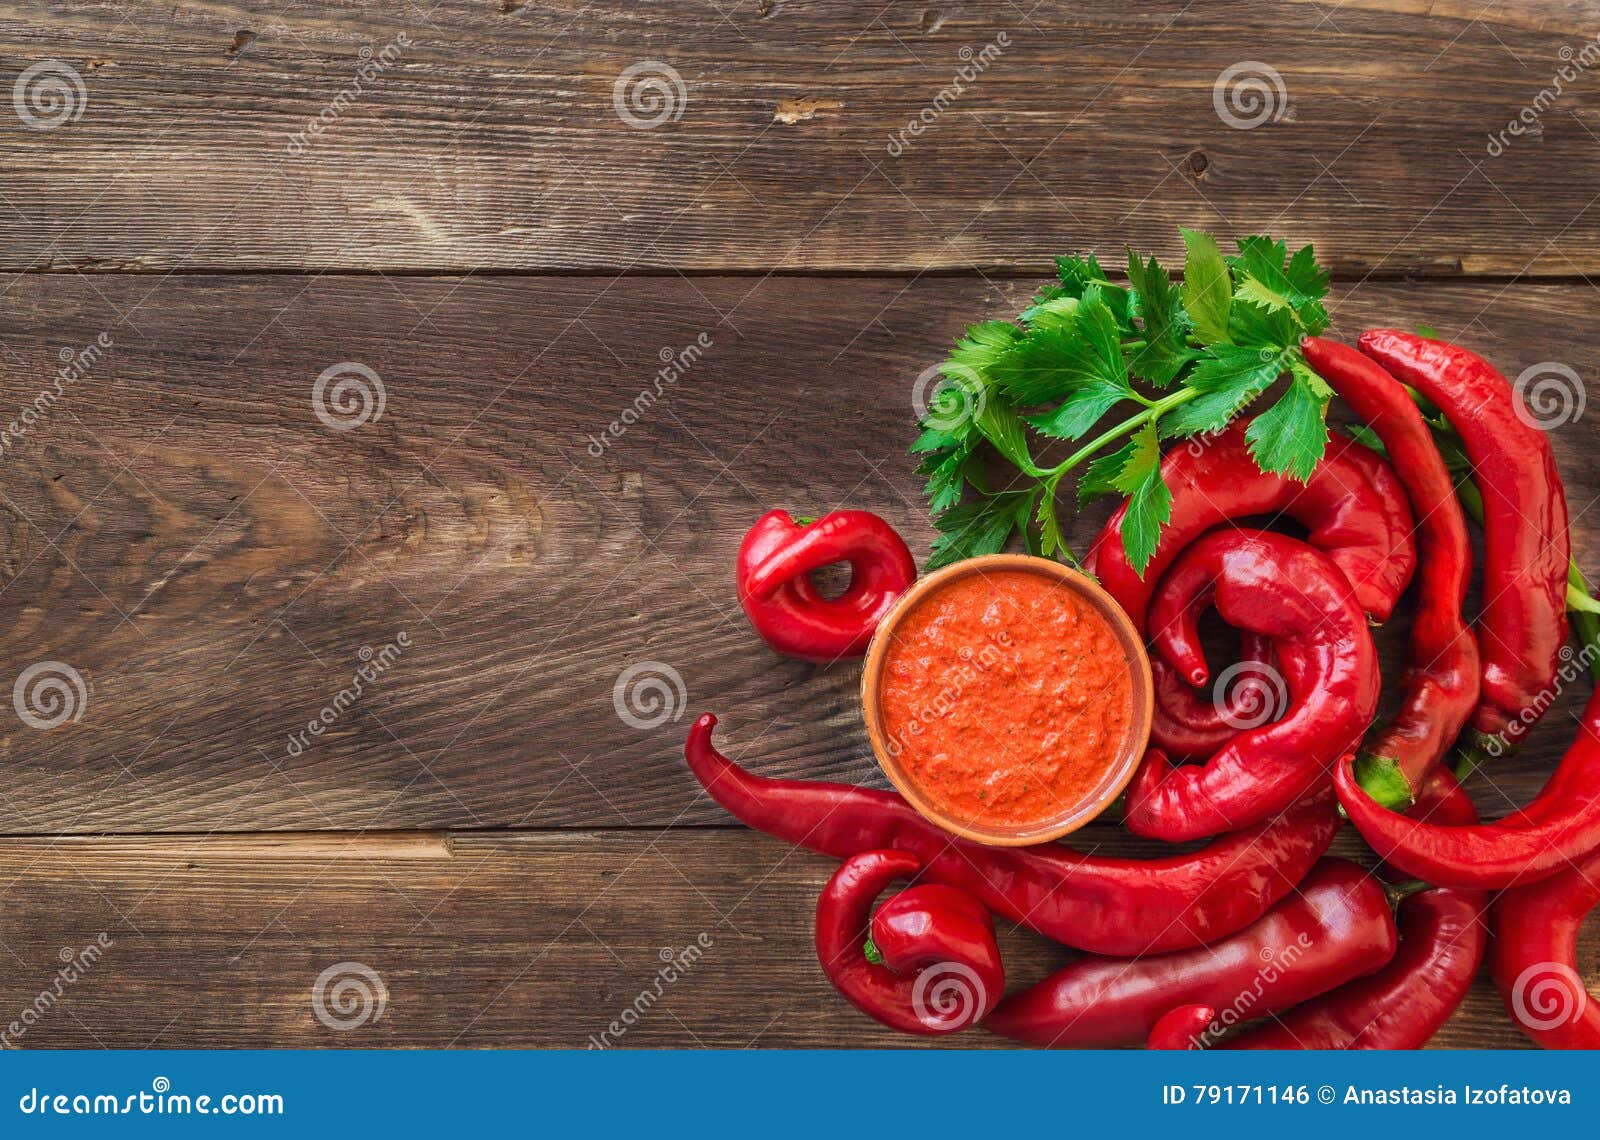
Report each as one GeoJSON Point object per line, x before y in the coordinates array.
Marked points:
{"type": "Point", "coordinates": [1335, 928]}
{"type": "Point", "coordinates": [1534, 960]}
{"type": "Point", "coordinates": [775, 564]}
{"type": "Point", "coordinates": [1523, 623]}
{"type": "Point", "coordinates": [940, 968]}
{"type": "Point", "coordinates": [1560, 826]}
{"type": "Point", "coordinates": [1442, 943]}
{"type": "Point", "coordinates": [1353, 508]}
{"type": "Point", "coordinates": [1190, 725]}
{"type": "Point", "coordinates": [1092, 902]}
{"type": "Point", "coordinates": [1439, 685]}
{"type": "Point", "coordinates": [1288, 591]}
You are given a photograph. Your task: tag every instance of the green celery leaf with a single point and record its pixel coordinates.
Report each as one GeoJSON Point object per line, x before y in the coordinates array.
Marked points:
{"type": "Point", "coordinates": [1264, 279]}
{"type": "Point", "coordinates": [1057, 312]}
{"type": "Point", "coordinates": [946, 472]}
{"type": "Point", "coordinates": [1367, 438]}
{"type": "Point", "coordinates": [1051, 541]}
{"type": "Point", "coordinates": [1080, 411]}
{"type": "Point", "coordinates": [1000, 425]}
{"type": "Point", "coordinates": [1149, 500]}
{"type": "Point", "coordinates": [1207, 291]}
{"type": "Point", "coordinates": [1428, 332]}
{"type": "Point", "coordinates": [1098, 476]}
{"type": "Point", "coordinates": [1162, 320]}
{"type": "Point", "coordinates": [1052, 363]}
{"type": "Point", "coordinates": [1253, 324]}
{"type": "Point", "coordinates": [1228, 377]}
{"type": "Point", "coordinates": [983, 344]}
{"type": "Point", "coordinates": [979, 527]}
{"type": "Point", "coordinates": [1290, 437]}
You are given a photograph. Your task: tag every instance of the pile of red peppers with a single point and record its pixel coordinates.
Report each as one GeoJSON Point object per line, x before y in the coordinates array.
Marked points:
{"type": "Point", "coordinates": [1256, 939]}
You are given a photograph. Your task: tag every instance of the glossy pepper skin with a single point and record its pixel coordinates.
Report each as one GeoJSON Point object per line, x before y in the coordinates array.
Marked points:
{"type": "Point", "coordinates": [1558, 828]}
{"type": "Point", "coordinates": [1439, 685]}
{"type": "Point", "coordinates": [1091, 902]}
{"type": "Point", "coordinates": [776, 561]}
{"type": "Point", "coordinates": [1534, 957]}
{"type": "Point", "coordinates": [940, 970]}
{"type": "Point", "coordinates": [1352, 507]}
{"type": "Point", "coordinates": [1284, 589]}
{"type": "Point", "coordinates": [1191, 725]}
{"type": "Point", "coordinates": [1442, 942]}
{"type": "Point", "coordinates": [1526, 550]}
{"type": "Point", "coordinates": [1335, 928]}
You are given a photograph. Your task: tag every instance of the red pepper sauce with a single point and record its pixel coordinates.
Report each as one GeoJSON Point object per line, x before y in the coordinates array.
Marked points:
{"type": "Point", "coordinates": [1006, 697]}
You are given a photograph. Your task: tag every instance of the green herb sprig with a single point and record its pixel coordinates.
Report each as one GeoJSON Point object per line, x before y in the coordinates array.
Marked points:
{"type": "Point", "coordinates": [1182, 359]}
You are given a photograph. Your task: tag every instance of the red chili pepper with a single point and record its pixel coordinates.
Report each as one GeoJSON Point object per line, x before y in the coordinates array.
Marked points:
{"type": "Point", "coordinates": [1559, 827]}
{"type": "Point", "coordinates": [1353, 508]}
{"type": "Point", "coordinates": [1092, 902]}
{"type": "Point", "coordinates": [776, 561]}
{"type": "Point", "coordinates": [1442, 943]}
{"type": "Point", "coordinates": [1534, 959]}
{"type": "Point", "coordinates": [1288, 591]}
{"type": "Point", "coordinates": [1190, 725]}
{"type": "Point", "coordinates": [1523, 624]}
{"type": "Point", "coordinates": [1335, 928]}
{"type": "Point", "coordinates": [940, 968]}
{"type": "Point", "coordinates": [1439, 685]}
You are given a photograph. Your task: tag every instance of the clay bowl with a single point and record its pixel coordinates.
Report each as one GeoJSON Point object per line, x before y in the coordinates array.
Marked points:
{"type": "Point", "coordinates": [1117, 774]}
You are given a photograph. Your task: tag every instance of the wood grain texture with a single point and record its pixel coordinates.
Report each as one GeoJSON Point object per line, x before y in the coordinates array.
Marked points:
{"type": "Point", "coordinates": [181, 529]}
{"type": "Point", "coordinates": [490, 141]}
{"type": "Point", "coordinates": [537, 940]}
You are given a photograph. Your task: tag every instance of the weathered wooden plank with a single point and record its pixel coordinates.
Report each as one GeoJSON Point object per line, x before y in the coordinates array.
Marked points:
{"type": "Point", "coordinates": [180, 528]}
{"type": "Point", "coordinates": [532, 940]}
{"type": "Point", "coordinates": [482, 136]}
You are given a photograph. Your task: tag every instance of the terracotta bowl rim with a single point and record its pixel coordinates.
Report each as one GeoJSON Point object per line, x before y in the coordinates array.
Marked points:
{"type": "Point", "coordinates": [1117, 776]}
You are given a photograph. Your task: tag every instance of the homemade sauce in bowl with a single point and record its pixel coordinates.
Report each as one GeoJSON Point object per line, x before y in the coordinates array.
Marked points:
{"type": "Point", "coordinates": [1008, 698]}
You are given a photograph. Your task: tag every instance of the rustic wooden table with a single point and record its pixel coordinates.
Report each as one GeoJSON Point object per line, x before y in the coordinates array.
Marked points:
{"type": "Point", "coordinates": [502, 217]}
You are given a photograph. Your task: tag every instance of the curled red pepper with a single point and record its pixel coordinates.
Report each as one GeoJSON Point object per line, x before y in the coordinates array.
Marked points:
{"type": "Point", "coordinates": [1335, 928]}
{"type": "Point", "coordinates": [1401, 1006]}
{"type": "Point", "coordinates": [1561, 826]}
{"type": "Point", "coordinates": [1439, 686]}
{"type": "Point", "coordinates": [939, 968]}
{"type": "Point", "coordinates": [1534, 961]}
{"type": "Point", "coordinates": [1187, 724]}
{"type": "Point", "coordinates": [1092, 902]}
{"type": "Point", "coordinates": [1286, 590]}
{"type": "Point", "coordinates": [1354, 510]}
{"type": "Point", "coordinates": [1523, 625]}
{"type": "Point", "coordinates": [776, 561]}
